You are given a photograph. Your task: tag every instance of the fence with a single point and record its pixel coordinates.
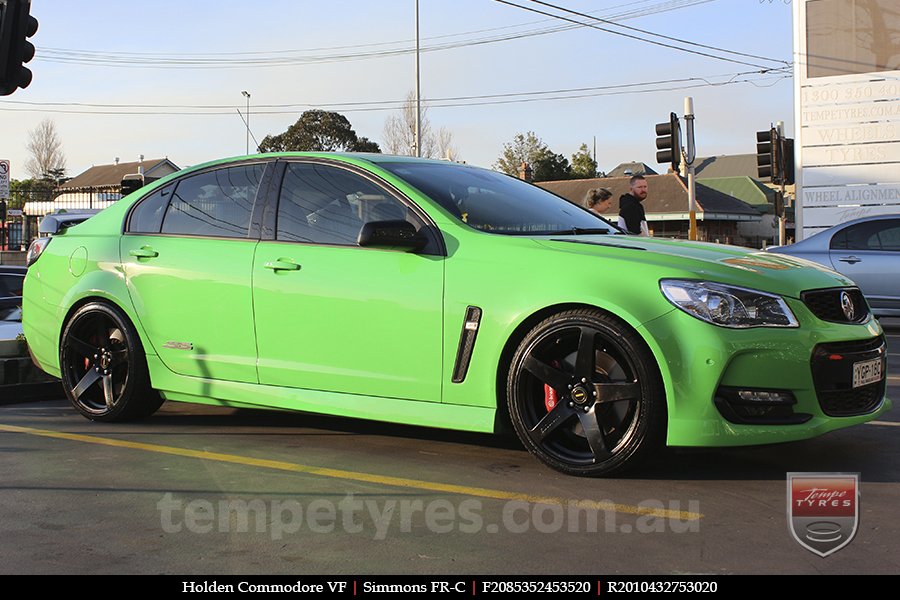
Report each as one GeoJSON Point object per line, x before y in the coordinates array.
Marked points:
{"type": "Point", "coordinates": [27, 207]}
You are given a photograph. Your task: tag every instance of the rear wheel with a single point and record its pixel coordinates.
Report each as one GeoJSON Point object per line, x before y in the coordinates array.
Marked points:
{"type": "Point", "coordinates": [104, 371]}
{"type": "Point", "coordinates": [585, 395]}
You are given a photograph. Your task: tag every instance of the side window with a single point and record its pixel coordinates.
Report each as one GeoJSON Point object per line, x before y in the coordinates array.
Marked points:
{"type": "Point", "coordinates": [890, 236]}
{"type": "Point", "coordinates": [147, 216]}
{"type": "Point", "coordinates": [323, 204]}
{"type": "Point", "coordinates": [215, 203]}
{"type": "Point", "coordinates": [873, 235]}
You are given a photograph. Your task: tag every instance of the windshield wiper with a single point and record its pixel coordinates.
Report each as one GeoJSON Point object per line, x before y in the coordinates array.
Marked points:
{"type": "Point", "coordinates": [578, 231]}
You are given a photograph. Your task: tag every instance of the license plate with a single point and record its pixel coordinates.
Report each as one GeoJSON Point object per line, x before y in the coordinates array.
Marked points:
{"type": "Point", "coordinates": [867, 371]}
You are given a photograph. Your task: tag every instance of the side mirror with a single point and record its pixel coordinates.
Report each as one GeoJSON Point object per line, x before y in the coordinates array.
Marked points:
{"type": "Point", "coordinates": [391, 234]}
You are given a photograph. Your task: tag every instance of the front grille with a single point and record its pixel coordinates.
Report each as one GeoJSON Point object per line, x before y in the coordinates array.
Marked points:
{"type": "Point", "coordinates": [851, 402]}
{"type": "Point", "coordinates": [827, 304]}
{"type": "Point", "coordinates": [832, 369]}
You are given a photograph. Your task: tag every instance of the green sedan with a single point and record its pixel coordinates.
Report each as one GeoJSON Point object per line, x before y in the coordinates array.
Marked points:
{"type": "Point", "coordinates": [443, 295]}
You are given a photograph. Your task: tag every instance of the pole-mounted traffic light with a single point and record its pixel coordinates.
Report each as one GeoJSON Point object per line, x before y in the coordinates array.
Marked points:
{"type": "Point", "coordinates": [16, 26]}
{"type": "Point", "coordinates": [775, 156]}
{"type": "Point", "coordinates": [787, 160]}
{"type": "Point", "coordinates": [766, 154]}
{"type": "Point", "coordinates": [668, 142]}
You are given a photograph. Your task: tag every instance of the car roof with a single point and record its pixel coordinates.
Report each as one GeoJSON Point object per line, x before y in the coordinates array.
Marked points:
{"type": "Point", "coordinates": [824, 236]}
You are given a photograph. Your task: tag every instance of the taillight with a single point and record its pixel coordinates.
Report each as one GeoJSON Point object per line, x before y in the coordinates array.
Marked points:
{"type": "Point", "coordinates": [35, 250]}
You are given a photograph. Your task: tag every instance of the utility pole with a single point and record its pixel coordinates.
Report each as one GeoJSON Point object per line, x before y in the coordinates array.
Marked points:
{"type": "Point", "coordinates": [689, 156]}
{"type": "Point", "coordinates": [418, 90]}
{"type": "Point", "coordinates": [246, 94]}
{"type": "Point", "coordinates": [779, 202]}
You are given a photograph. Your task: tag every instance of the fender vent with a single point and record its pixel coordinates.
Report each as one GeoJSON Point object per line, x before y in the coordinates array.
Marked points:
{"type": "Point", "coordinates": [466, 343]}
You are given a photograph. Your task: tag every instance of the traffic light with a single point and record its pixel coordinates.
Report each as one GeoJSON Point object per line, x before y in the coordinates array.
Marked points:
{"type": "Point", "coordinates": [787, 160]}
{"type": "Point", "coordinates": [16, 25]}
{"type": "Point", "coordinates": [766, 160]}
{"type": "Point", "coordinates": [668, 142]}
{"type": "Point", "coordinates": [775, 157]}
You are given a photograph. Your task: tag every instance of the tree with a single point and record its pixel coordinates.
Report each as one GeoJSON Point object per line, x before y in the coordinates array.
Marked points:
{"type": "Point", "coordinates": [545, 164]}
{"type": "Point", "coordinates": [400, 134]}
{"type": "Point", "coordinates": [445, 146]}
{"type": "Point", "coordinates": [550, 167]}
{"type": "Point", "coordinates": [47, 159]}
{"type": "Point", "coordinates": [319, 131]}
{"type": "Point", "coordinates": [583, 164]}
{"type": "Point", "coordinates": [524, 148]}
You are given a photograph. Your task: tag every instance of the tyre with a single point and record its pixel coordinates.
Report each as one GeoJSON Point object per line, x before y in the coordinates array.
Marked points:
{"type": "Point", "coordinates": [104, 371]}
{"type": "Point", "coordinates": [585, 394]}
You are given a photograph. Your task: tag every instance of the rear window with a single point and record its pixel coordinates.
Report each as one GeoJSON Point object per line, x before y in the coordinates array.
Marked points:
{"type": "Point", "coordinates": [215, 203]}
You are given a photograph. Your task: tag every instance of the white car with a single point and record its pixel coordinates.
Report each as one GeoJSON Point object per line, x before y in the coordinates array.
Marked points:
{"type": "Point", "coordinates": [11, 343]}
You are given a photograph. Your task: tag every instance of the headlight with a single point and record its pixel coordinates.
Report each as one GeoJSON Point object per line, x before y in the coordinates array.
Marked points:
{"type": "Point", "coordinates": [727, 305]}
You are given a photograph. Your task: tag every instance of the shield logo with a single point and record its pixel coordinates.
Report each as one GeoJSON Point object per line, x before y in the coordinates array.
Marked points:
{"type": "Point", "coordinates": [823, 510]}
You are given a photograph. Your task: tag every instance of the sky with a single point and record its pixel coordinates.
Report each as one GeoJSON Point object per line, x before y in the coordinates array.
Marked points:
{"type": "Point", "coordinates": [164, 79]}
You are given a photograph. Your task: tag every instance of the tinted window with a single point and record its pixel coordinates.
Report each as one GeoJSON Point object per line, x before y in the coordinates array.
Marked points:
{"type": "Point", "coordinates": [216, 203]}
{"type": "Point", "coordinates": [873, 235]}
{"type": "Point", "coordinates": [324, 204]}
{"type": "Point", "coordinates": [11, 285]}
{"type": "Point", "coordinates": [147, 216]}
{"type": "Point", "coordinates": [495, 202]}
{"type": "Point", "coordinates": [890, 236]}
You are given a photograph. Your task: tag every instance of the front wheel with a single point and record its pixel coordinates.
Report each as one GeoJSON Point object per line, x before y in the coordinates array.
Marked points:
{"type": "Point", "coordinates": [104, 372]}
{"type": "Point", "coordinates": [585, 395]}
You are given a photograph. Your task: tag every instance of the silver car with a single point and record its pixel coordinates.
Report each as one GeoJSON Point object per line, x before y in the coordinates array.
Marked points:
{"type": "Point", "coordinates": [867, 251]}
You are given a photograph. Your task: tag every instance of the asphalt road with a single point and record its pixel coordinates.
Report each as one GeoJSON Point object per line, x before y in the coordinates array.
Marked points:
{"type": "Point", "coordinates": [200, 490]}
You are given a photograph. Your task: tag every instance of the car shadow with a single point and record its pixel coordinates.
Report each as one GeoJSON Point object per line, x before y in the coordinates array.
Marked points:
{"type": "Point", "coordinates": [866, 449]}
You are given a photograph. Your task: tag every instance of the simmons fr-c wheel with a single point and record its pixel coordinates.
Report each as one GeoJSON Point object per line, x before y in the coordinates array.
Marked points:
{"type": "Point", "coordinates": [585, 395]}
{"type": "Point", "coordinates": [104, 371]}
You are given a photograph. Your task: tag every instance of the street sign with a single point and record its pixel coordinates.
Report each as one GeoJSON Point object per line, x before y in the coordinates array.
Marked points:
{"type": "Point", "coordinates": [4, 179]}
{"type": "Point", "coordinates": [14, 212]}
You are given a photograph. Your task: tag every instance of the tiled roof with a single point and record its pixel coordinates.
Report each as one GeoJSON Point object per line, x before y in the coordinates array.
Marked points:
{"type": "Point", "coordinates": [111, 175]}
{"type": "Point", "coordinates": [667, 195]}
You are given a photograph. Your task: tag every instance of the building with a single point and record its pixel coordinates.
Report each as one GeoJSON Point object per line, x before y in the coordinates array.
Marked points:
{"type": "Point", "coordinates": [627, 169]}
{"type": "Point", "coordinates": [99, 186]}
{"type": "Point", "coordinates": [757, 234]}
{"type": "Point", "coordinates": [728, 165]}
{"type": "Point", "coordinates": [847, 111]}
{"type": "Point", "coordinates": [666, 206]}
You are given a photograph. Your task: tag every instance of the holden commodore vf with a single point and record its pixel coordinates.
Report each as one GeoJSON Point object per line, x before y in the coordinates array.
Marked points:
{"type": "Point", "coordinates": [443, 295]}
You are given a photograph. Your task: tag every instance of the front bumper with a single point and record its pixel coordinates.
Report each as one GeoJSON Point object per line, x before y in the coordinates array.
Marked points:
{"type": "Point", "coordinates": [698, 360]}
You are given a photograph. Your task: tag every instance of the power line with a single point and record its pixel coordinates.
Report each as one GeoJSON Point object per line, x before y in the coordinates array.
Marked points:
{"type": "Point", "coordinates": [634, 37]}
{"type": "Point", "coordinates": [659, 35]}
{"type": "Point", "coordinates": [452, 102]}
{"type": "Point", "coordinates": [289, 58]}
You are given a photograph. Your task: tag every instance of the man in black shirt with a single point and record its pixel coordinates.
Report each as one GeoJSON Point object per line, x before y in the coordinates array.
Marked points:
{"type": "Point", "coordinates": [631, 212]}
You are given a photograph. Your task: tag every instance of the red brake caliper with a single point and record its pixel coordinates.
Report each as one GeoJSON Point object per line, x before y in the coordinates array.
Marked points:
{"type": "Point", "coordinates": [550, 398]}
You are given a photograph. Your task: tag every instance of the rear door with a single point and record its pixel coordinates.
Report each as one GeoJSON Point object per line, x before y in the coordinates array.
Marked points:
{"type": "Point", "coordinates": [188, 257]}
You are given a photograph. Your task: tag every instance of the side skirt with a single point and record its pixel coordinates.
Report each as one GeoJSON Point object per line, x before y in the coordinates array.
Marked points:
{"type": "Point", "coordinates": [214, 392]}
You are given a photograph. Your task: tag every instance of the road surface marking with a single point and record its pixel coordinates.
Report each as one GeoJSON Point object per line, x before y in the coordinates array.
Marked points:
{"type": "Point", "coordinates": [357, 476]}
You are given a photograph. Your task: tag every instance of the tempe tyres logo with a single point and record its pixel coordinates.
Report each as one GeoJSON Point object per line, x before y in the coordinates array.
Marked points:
{"type": "Point", "coordinates": [823, 510]}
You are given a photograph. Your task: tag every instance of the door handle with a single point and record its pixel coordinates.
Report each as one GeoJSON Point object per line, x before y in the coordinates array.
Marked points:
{"type": "Point", "coordinates": [282, 265]}
{"type": "Point", "coordinates": [850, 259]}
{"type": "Point", "coordinates": [144, 252]}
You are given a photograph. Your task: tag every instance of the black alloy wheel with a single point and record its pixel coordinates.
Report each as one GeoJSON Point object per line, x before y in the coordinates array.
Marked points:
{"type": "Point", "coordinates": [104, 372]}
{"type": "Point", "coordinates": [585, 394]}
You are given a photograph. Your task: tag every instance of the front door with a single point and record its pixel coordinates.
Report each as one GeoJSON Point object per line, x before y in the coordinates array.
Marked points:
{"type": "Point", "coordinates": [333, 316]}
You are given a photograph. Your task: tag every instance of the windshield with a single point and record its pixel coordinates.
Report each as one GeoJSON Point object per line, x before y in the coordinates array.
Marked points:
{"type": "Point", "coordinates": [497, 203]}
